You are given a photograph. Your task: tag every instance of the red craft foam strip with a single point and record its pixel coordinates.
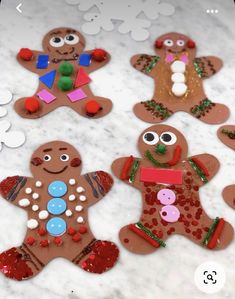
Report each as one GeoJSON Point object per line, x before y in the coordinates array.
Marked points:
{"type": "Point", "coordinates": [161, 176]}
{"type": "Point", "coordinates": [126, 167]}
{"type": "Point", "coordinates": [142, 234]}
{"type": "Point", "coordinates": [201, 165]}
{"type": "Point", "coordinates": [217, 233]}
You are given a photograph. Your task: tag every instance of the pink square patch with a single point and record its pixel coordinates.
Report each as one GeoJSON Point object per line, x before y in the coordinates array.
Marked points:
{"type": "Point", "coordinates": [76, 95]}
{"type": "Point", "coordinates": [46, 96]}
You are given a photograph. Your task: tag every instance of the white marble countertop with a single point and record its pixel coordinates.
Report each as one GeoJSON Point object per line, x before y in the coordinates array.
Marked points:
{"type": "Point", "coordinates": [166, 273]}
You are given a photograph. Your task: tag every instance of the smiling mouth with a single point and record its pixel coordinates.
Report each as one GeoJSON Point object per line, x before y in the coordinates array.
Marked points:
{"type": "Point", "coordinates": [55, 172]}
{"type": "Point", "coordinates": [176, 52]}
{"type": "Point", "coordinates": [66, 53]}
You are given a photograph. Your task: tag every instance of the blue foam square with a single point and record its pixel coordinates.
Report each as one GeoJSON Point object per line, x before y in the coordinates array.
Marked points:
{"type": "Point", "coordinates": [85, 59]}
{"type": "Point", "coordinates": [42, 61]}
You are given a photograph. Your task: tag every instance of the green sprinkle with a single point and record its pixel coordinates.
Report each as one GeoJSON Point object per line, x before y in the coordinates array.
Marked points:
{"type": "Point", "coordinates": [198, 170]}
{"type": "Point", "coordinates": [210, 231]}
{"type": "Point", "coordinates": [134, 170]}
{"type": "Point", "coordinates": [150, 234]}
{"type": "Point", "coordinates": [156, 163]}
{"type": "Point", "coordinates": [152, 64]}
{"type": "Point", "coordinates": [198, 69]}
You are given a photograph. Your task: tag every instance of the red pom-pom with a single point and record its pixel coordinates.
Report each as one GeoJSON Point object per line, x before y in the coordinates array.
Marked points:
{"type": "Point", "coordinates": [30, 241]}
{"type": "Point", "coordinates": [92, 107]}
{"type": "Point", "coordinates": [44, 243]}
{"type": "Point", "coordinates": [82, 230]}
{"type": "Point", "coordinates": [58, 241]}
{"type": "Point", "coordinates": [76, 238]}
{"type": "Point", "coordinates": [42, 231]}
{"type": "Point", "coordinates": [26, 54]}
{"type": "Point", "coordinates": [99, 55]}
{"type": "Point", "coordinates": [31, 104]}
{"type": "Point", "coordinates": [158, 44]}
{"type": "Point", "coordinates": [191, 44]}
{"type": "Point", "coordinates": [71, 231]}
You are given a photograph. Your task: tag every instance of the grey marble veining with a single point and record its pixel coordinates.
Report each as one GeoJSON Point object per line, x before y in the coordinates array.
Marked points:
{"type": "Point", "coordinates": [166, 273]}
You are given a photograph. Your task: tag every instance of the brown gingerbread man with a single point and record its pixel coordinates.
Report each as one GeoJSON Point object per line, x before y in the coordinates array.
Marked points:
{"type": "Point", "coordinates": [63, 68]}
{"type": "Point", "coordinates": [169, 183]}
{"type": "Point", "coordinates": [178, 77]}
{"type": "Point", "coordinates": [57, 199]}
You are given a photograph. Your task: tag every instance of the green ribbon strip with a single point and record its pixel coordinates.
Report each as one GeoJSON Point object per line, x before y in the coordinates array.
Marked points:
{"type": "Point", "coordinates": [150, 234]}
{"type": "Point", "coordinates": [155, 162]}
{"type": "Point", "coordinates": [198, 170]}
{"type": "Point", "coordinates": [203, 106]}
{"type": "Point", "coordinates": [198, 69]}
{"type": "Point", "coordinates": [152, 64]}
{"type": "Point", "coordinates": [228, 132]}
{"type": "Point", "coordinates": [134, 170]}
{"type": "Point", "coordinates": [164, 112]}
{"type": "Point", "coordinates": [210, 231]}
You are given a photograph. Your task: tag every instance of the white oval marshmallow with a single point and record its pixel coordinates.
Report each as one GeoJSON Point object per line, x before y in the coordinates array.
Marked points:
{"type": "Point", "coordinates": [178, 67]}
{"type": "Point", "coordinates": [80, 189]}
{"type": "Point", "coordinates": [24, 202]}
{"type": "Point", "coordinates": [43, 215]}
{"type": "Point", "coordinates": [179, 89]}
{"type": "Point", "coordinates": [38, 184]}
{"type": "Point", "coordinates": [35, 196]}
{"type": "Point", "coordinates": [72, 182]}
{"type": "Point", "coordinates": [78, 208]}
{"type": "Point", "coordinates": [72, 197]}
{"type": "Point", "coordinates": [68, 213]}
{"type": "Point", "coordinates": [32, 224]}
{"type": "Point", "coordinates": [80, 219]}
{"type": "Point", "coordinates": [35, 208]}
{"type": "Point", "coordinates": [28, 190]}
{"type": "Point", "coordinates": [178, 78]}
{"type": "Point", "coordinates": [82, 198]}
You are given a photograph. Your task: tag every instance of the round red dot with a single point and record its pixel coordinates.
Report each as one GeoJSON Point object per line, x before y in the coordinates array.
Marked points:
{"type": "Point", "coordinates": [31, 104]}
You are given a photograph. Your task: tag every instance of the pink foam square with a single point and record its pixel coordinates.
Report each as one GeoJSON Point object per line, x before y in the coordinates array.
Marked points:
{"type": "Point", "coordinates": [76, 95]}
{"type": "Point", "coordinates": [46, 96]}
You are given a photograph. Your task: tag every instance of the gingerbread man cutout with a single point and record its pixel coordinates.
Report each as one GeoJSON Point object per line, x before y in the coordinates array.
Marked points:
{"type": "Point", "coordinates": [227, 135]}
{"type": "Point", "coordinates": [178, 76]}
{"type": "Point", "coordinates": [63, 68]}
{"type": "Point", "coordinates": [169, 183]}
{"type": "Point", "coordinates": [56, 199]}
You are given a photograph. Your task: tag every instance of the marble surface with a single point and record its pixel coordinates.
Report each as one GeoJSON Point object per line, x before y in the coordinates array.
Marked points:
{"type": "Point", "coordinates": [166, 273]}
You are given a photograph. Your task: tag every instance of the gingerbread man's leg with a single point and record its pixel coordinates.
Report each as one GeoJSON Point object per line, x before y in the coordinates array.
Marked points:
{"type": "Point", "coordinates": [152, 111]}
{"type": "Point", "coordinates": [97, 257]}
{"type": "Point", "coordinates": [212, 234]}
{"type": "Point", "coordinates": [94, 107]}
{"type": "Point", "coordinates": [33, 108]}
{"type": "Point", "coordinates": [136, 240]}
{"type": "Point", "coordinates": [20, 263]}
{"type": "Point", "coordinates": [209, 112]}
{"type": "Point", "coordinates": [229, 195]}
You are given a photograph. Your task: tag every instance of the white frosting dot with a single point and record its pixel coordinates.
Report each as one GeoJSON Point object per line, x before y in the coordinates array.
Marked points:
{"type": "Point", "coordinates": [35, 208]}
{"type": "Point", "coordinates": [24, 202]}
{"type": "Point", "coordinates": [80, 189]}
{"type": "Point", "coordinates": [78, 208]}
{"type": "Point", "coordinates": [68, 213]}
{"type": "Point", "coordinates": [72, 197]}
{"type": "Point", "coordinates": [82, 198]}
{"type": "Point", "coordinates": [72, 182]}
{"type": "Point", "coordinates": [35, 196]}
{"type": "Point", "coordinates": [80, 219]}
{"type": "Point", "coordinates": [28, 190]}
{"type": "Point", "coordinates": [32, 224]}
{"type": "Point", "coordinates": [38, 184]}
{"type": "Point", "coordinates": [43, 215]}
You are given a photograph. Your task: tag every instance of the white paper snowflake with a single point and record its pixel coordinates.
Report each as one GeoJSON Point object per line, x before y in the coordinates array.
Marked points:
{"type": "Point", "coordinates": [126, 11]}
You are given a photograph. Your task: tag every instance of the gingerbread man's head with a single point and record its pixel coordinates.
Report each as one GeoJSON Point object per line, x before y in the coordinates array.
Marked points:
{"type": "Point", "coordinates": [175, 44]}
{"type": "Point", "coordinates": [63, 44]}
{"type": "Point", "coordinates": [55, 158]}
{"type": "Point", "coordinates": [163, 145]}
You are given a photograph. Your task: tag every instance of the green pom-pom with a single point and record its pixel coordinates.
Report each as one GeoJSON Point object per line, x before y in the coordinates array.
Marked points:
{"type": "Point", "coordinates": [66, 69]}
{"type": "Point", "coordinates": [65, 83]}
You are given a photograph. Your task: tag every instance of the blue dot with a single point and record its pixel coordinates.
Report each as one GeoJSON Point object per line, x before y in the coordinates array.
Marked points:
{"type": "Point", "coordinates": [56, 226]}
{"type": "Point", "coordinates": [56, 206]}
{"type": "Point", "coordinates": [57, 189]}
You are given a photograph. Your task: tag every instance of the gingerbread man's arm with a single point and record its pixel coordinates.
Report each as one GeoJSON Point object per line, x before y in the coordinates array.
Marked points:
{"type": "Point", "coordinates": [97, 185]}
{"type": "Point", "coordinates": [207, 66]}
{"type": "Point", "coordinates": [14, 189]}
{"type": "Point", "coordinates": [145, 63]}
{"type": "Point", "coordinates": [96, 63]}
{"type": "Point", "coordinates": [128, 170]}
{"type": "Point", "coordinates": [203, 167]}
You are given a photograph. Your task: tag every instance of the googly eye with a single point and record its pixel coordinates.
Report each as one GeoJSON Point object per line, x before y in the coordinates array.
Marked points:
{"type": "Point", "coordinates": [168, 138]}
{"type": "Point", "coordinates": [151, 138]}
{"type": "Point", "coordinates": [71, 39]}
{"type": "Point", "coordinates": [47, 158]}
{"type": "Point", "coordinates": [56, 41]}
{"type": "Point", "coordinates": [180, 42]}
{"type": "Point", "coordinates": [168, 42]}
{"type": "Point", "coordinates": [64, 157]}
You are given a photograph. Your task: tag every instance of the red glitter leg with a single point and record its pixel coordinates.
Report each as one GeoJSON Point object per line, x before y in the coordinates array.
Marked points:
{"type": "Point", "coordinates": [134, 242]}
{"type": "Point", "coordinates": [19, 264]}
{"type": "Point", "coordinates": [98, 107]}
{"type": "Point", "coordinates": [102, 256]}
